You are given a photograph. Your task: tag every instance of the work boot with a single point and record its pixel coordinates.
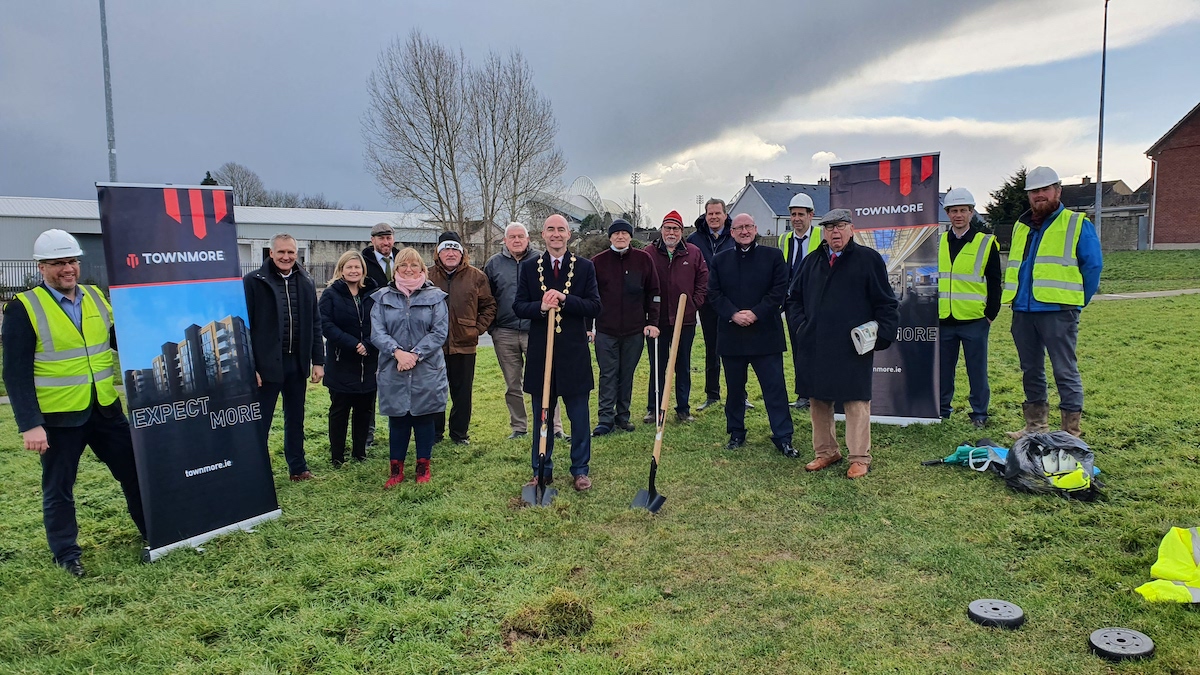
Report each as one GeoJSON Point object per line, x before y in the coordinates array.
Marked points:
{"type": "Point", "coordinates": [1070, 423]}
{"type": "Point", "coordinates": [397, 476]}
{"type": "Point", "coordinates": [1037, 416]}
{"type": "Point", "coordinates": [422, 471]}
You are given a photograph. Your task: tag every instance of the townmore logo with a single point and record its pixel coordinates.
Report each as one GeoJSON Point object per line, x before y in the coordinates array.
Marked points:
{"type": "Point", "coordinates": [200, 220]}
{"type": "Point", "coordinates": [131, 260]}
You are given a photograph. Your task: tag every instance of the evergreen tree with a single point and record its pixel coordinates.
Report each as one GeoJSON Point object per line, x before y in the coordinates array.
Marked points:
{"type": "Point", "coordinates": [1009, 202]}
{"type": "Point", "coordinates": [208, 179]}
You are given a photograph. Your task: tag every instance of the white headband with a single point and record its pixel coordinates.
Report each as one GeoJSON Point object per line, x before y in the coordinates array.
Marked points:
{"type": "Point", "coordinates": [450, 243]}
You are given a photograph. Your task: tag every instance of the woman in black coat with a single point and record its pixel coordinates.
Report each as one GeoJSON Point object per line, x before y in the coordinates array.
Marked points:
{"type": "Point", "coordinates": [350, 365]}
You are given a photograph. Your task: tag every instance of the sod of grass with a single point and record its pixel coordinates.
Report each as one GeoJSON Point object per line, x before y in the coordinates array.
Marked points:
{"type": "Point", "coordinates": [753, 566]}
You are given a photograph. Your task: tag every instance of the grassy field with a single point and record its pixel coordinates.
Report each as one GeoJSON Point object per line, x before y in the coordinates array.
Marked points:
{"type": "Point", "coordinates": [753, 566]}
{"type": "Point", "coordinates": [1133, 271]}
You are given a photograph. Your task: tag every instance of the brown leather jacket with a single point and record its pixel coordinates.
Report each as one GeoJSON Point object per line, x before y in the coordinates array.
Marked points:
{"type": "Point", "coordinates": [472, 307]}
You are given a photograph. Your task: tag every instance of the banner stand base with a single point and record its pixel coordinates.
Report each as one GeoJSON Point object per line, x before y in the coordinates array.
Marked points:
{"type": "Point", "coordinates": [152, 554]}
{"type": "Point", "coordinates": [898, 421]}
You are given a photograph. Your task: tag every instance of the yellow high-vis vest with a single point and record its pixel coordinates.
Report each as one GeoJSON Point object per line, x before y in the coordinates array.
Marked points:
{"type": "Point", "coordinates": [68, 361]}
{"type": "Point", "coordinates": [1056, 275]}
{"type": "Point", "coordinates": [962, 287]}
{"type": "Point", "coordinates": [1177, 569]}
{"type": "Point", "coordinates": [785, 242]}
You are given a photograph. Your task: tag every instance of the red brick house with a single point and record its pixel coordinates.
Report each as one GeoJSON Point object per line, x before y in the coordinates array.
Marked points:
{"type": "Point", "coordinates": [1175, 175]}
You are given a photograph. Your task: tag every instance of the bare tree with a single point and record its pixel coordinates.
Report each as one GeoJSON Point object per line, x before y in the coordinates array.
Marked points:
{"type": "Point", "coordinates": [534, 163]}
{"type": "Point", "coordinates": [280, 199]}
{"type": "Point", "coordinates": [247, 187]}
{"type": "Point", "coordinates": [488, 150]}
{"type": "Point", "coordinates": [318, 201]}
{"type": "Point", "coordinates": [414, 127]}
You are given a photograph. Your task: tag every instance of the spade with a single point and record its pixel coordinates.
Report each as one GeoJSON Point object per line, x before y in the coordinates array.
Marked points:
{"type": "Point", "coordinates": [649, 498]}
{"type": "Point", "coordinates": [538, 494]}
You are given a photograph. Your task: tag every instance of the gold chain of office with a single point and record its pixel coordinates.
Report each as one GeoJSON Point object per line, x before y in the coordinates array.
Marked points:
{"type": "Point", "coordinates": [566, 289]}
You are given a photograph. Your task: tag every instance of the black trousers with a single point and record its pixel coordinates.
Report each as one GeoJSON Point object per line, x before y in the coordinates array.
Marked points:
{"type": "Point", "coordinates": [581, 438]}
{"type": "Point", "coordinates": [109, 439]}
{"type": "Point", "coordinates": [359, 411]}
{"type": "Point", "coordinates": [712, 362]}
{"type": "Point", "coordinates": [460, 373]}
{"type": "Point", "coordinates": [293, 388]}
{"type": "Point", "coordinates": [795, 356]}
{"type": "Point", "coordinates": [769, 370]}
{"type": "Point", "coordinates": [683, 367]}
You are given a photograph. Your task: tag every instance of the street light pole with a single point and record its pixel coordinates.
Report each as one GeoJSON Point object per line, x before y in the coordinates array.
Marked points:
{"type": "Point", "coordinates": [1100, 142]}
{"type": "Point", "coordinates": [635, 178]}
{"type": "Point", "coordinates": [108, 107]}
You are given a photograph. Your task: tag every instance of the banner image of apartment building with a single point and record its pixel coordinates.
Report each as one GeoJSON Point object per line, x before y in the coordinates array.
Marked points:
{"type": "Point", "coordinates": [215, 357]}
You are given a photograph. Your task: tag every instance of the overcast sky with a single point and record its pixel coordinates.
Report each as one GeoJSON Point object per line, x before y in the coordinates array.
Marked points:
{"type": "Point", "coordinates": [692, 94]}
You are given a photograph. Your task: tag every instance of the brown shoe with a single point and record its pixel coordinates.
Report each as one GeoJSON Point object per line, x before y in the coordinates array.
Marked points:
{"type": "Point", "coordinates": [307, 475]}
{"type": "Point", "coordinates": [583, 483]}
{"type": "Point", "coordinates": [857, 470]}
{"type": "Point", "coordinates": [822, 462]}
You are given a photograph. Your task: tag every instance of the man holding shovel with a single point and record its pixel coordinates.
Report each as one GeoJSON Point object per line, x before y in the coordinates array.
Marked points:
{"type": "Point", "coordinates": [560, 280]}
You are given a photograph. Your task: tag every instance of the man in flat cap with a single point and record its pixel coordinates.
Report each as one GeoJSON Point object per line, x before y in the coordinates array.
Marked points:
{"type": "Point", "coordinates": [629, 301]}
{"type": "Point", "coordinates": [1053, 271]}
{"type": "Point", "coordinates": [472, 308]}
{"type": "Point", "coordinates": [380, 258]}
{"type": "Point", "coordinates": [841, 286]}
{"type": "Point", "coordinates": [746, 288]}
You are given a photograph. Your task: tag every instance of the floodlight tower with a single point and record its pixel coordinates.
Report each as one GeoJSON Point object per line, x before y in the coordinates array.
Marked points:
{"type": "Point", "coordinates": [635, 178]}
{"type": "Point", "coordinates": [1100, 142]}
{"type": "Point", "coordinates": [108, 107]}
{"type": "Point", "coordinates": [699, 204]}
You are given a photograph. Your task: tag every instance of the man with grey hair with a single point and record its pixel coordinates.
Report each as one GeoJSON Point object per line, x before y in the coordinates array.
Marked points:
{"type": "Point", "coordinates": [712, 236]}
{"type": "Point", "coordinates": [510, 333]}
{"type": "Point", "coordinates": [1053, 271]}
{"type": "Point", "coordinates": [285, 331]}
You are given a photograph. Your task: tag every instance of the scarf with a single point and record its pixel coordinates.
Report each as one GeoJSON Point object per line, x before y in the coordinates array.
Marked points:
{"type": "Point", "coordinates": [407, 286]}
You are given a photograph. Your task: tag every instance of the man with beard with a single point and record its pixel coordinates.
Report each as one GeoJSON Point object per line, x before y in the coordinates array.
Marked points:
{"type": "Point", "coordinates": [1053, 271]}
{"type": "Point", "coordinates": [681, 270]}
{"type": "Point", "coordinates": [562, 280]}
{"type": "Point", "coordinates": [712, 236]}
{"type": "Point", "coordinates": [968, 301]}
{"type": "Point", "coordinates": [472, 308]}
{"type": "Point", "coordinates": [510, 333]}
{"type": "Point", "coordinates": [629, 301]}
{"type": "Point", "coordinates": [796, 244]}
{"type": "Point", "coordinates": [839, 288]}
{"type": "Point", "coordinates": [746, 288]}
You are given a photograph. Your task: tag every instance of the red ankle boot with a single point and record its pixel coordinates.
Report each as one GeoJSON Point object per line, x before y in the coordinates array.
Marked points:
{"type": "Point", "coordinates": [422, 471]}
{"type": "Point", "coordinates": [397, 476]}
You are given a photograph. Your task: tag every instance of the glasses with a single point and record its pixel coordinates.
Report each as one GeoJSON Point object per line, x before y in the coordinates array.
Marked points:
{"type": "Point", "coordinates": [672, 228]}
{"type": "Point", "coordinates": [738, 228]}
{"type": "Point", "coordinates": [55, 264]}
{"type": "Point", "coordinates": [840, 225]}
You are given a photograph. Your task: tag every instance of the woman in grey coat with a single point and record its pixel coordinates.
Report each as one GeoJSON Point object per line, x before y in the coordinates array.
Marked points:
{"type": "Point", "coordinates": [409, 323]}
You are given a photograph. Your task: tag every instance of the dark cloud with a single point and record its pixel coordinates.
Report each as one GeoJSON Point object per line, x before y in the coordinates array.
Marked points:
{"type": "Point", "coordinates": [279, 86]}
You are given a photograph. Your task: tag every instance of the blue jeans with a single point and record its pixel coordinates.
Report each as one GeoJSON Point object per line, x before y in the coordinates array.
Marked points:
{"type": "Point", "coordinates": [1038, 333]}
{"type": "Point", "coordinates": [581, 435]}
{"type": "Point", "coordinates": [420, 426]}
{"type": "Point", "coordinates": [974, 340]}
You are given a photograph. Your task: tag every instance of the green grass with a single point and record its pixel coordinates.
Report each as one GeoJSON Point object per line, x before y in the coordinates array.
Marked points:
{"type": "Point", "coordinates": [753, 566]}
{"type": "Point", "coordinates": [1134, 271]}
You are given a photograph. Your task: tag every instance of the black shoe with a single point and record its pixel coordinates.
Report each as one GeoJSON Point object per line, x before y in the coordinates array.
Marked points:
{"type": "Point", "coordinates": [560, 436]}
{"type": "Point", "coordinates": [979, 422]}
{"type": "Point", "coordinates": [800, 403]}
{"type": "Point", "coordinates": [787, 450]}
{"type": "Point", "coordinates": [685, 417]}
{"type": "Point", "coordinates": [461, 441]}
{"type": "Point", "coordinates": [370, 439]}
{"type": "Point", "coordinates": [627, 426]}
{"type": "Point", "coordinates": [517, 434]}
{"type": "Point", "coordinates": [735, 443]}
{"type": "Point", "coordinates": [601, 430]}
{"type": "Point", "coordinates": [707, 404]}
{"type": "Point", "coordinates": [337, 463]}
{"type": "Point", "coordinates": [74, 568]}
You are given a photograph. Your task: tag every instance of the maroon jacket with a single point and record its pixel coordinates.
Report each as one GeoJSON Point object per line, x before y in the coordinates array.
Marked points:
{"type": "Point", "coordinates": [685, 273]}
{"type": "Point", "coordinates": [628, 292]}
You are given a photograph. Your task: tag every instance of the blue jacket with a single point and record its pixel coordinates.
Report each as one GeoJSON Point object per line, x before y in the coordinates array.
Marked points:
{"type": "Point", "coordinates": [1091, 262]}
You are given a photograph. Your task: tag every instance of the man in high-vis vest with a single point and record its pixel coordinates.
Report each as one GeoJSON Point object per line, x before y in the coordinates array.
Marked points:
{"type": "Point", "coordinates": [969, 287]}
{"type": "Point", "coordinates": [58, 368]}
{"type": "Point", "coordinates": [1053, 271]}
{"type": "Point", "coordinates": [796, 243]}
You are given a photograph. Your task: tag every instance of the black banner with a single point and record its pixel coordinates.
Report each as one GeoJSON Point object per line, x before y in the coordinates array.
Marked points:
{"type": "Point", "coordinates": [895, 207]}
{"type": "Point", "coordinates": [184, 348]}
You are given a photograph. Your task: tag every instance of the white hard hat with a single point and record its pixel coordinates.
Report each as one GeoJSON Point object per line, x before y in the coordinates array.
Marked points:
{"type": "Point", "coordinates": [1040, 177]}
{"type": "Point", "coordinates": [958, 197]}
{"type": "Point", "coordinates": [803, 201]}
{"type": "Point", "coordinates": [54, 244]}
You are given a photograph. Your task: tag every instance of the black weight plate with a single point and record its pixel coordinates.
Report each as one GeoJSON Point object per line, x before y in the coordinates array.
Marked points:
{"type": "Point", "coordinates": [995, 614]}
{"type": "Point", "coordinates": [1118, 644]}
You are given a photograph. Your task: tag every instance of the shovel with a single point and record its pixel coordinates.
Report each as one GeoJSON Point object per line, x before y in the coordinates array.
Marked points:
{"type": "Point", "coordinates": [649, 498]}
{"type": "Point", "coordinates": [539, 494]}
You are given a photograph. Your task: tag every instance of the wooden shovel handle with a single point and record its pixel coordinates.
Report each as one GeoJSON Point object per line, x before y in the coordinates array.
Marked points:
{"type": "Point", "coordinates": [545, 411]}
{"type": "Point", "coordinates": [670, 380]}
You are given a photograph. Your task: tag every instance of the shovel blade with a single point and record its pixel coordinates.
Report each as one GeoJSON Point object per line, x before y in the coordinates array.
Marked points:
{"type": "Point", "coordinates": [529, 495]}
{"type": "Point", "coordinates": [644, 500]}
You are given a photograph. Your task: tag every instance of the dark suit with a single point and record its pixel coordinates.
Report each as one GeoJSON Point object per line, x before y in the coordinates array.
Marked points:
{"type": "Point", "coordinates": [755, 279]}
{"type": "Point", "coordinates": [374, 271]}
{"type": "Point", "coordinates": [571, 376]}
